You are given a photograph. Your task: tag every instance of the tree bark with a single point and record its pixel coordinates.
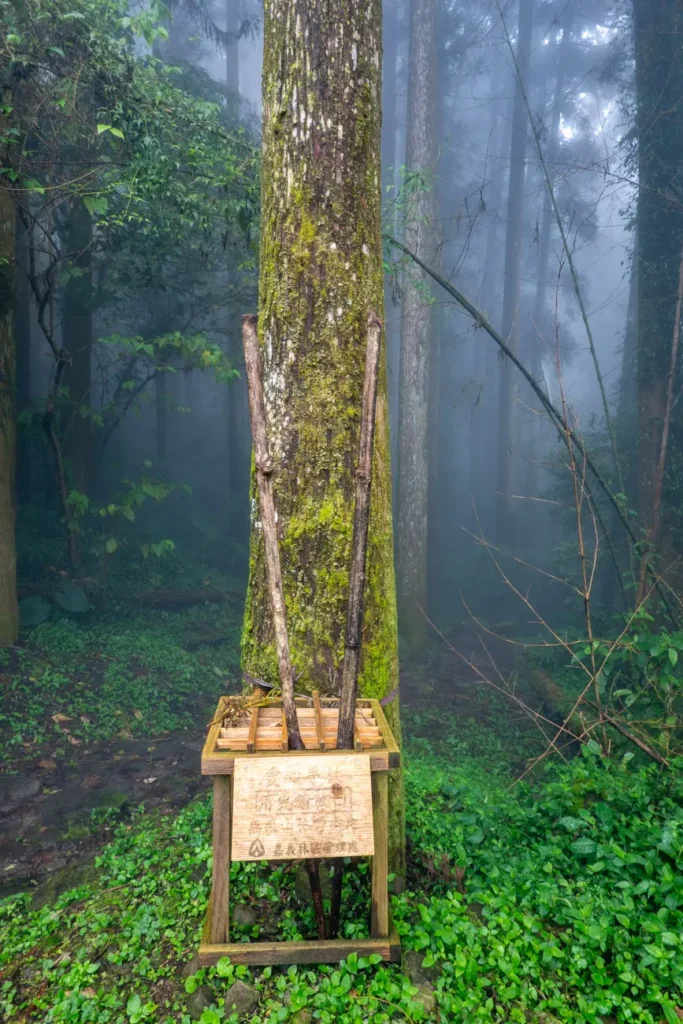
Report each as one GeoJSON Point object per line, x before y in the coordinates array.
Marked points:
{"type": "Point", "coordinates": [320, 276]}
{"type": "Point", "coordinates": [416, 329]}
{"type": "Point", "coordinates": [535, 343]}
{"type": "Point", "coordinates": [22, 334]}
{"type": "Point", "coordinates": [658, 38]}
{"type": "Point", "coordinates": [77, 340]}
{"type": "Point", "coordinates": [9, 609]}
{"type": "Point", "coordinates": [512, 278]}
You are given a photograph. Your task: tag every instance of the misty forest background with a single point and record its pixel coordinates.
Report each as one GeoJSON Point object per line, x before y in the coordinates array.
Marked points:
{"type": "Point", "coordinates": [532, 221]}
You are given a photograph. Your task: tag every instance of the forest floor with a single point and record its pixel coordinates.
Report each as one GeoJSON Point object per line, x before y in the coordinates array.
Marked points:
{"type": "Point", "coordinates": [558, 898]}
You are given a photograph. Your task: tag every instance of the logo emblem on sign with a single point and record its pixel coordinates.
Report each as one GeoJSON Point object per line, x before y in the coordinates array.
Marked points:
{"type": "Point", "coordinates": [256, 849]}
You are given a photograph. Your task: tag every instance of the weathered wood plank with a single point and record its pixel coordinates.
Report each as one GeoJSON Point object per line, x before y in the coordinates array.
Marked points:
{"type": "Point", "coordinates": [214, 728]}
{"type": "Point", "coordinates": [379, 920]}
{"type": "Point", "coordinates": [387, 735]}
{"type": "Point", "coordinates": [293, 810]}
{"type": "Point", "coordinates": [220, 928]}
{"type": "Point", "coordinates": [322, 951]}
{"type": "Point", "coordinates": [222, 762]}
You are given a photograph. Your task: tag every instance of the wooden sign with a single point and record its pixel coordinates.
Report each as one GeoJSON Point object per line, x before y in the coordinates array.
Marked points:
{"type": "Point", "coordinates": [290, 808]}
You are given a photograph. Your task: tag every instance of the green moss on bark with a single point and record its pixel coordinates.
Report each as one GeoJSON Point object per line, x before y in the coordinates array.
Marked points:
{"type": "Point", "coordinates": [320, 278]}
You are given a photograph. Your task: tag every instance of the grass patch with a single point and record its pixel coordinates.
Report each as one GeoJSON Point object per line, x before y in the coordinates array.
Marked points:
{"type": "Point", "coordinates": [74, 684]}
{"type": "Point", "coordinates": [558, 900]}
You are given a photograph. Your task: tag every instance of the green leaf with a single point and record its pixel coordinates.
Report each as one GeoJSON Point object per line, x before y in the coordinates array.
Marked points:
{"type": "Point", "coordinates": [103, 128]}
{"type": "Point", "coordinates": [133, 1005]}
{"type": "Point", "coordinates": [673, 656]}
{"type": "Point", "coordinates": [670, 1012]}
{"type": "Point", "coordinates": [583, 847]}
{"type": "Point", "coordinates": [111, 545]}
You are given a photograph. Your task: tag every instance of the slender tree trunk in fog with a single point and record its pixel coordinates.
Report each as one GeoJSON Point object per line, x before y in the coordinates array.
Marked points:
{"type": "Point", "coordinates": [535, 343]}
{"type": "Point", "coordinates": [416, 328]}
{"type": "Point", "coordinates": [482, 443]}
{"type": "Point", "coordinates": [658, 37]}
{"type": "Point", "coordinates": [161, 422]}
{"type": "Point", "coordinates": [390, 163]}
{"type": "Point", "coordinates": [627, 409]}
{"type": "Point", "coordinates": [320, 278]}
{"type": "Point", "coordinates": [512, 279]}
{"type": "Point", "coordinates": [77, 338]}
{"type": "Point", "coordinates": [239, 450]}
{"type": "Point", "coordinates": [9, 610]}
{"type": "Point", "coordinates": [22, 333]}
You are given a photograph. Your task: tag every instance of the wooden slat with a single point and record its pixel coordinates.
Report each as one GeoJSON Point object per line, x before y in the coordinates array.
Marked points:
{"type": "Point", "coordinates": [253, 727]}
{"type": "Point", "coordinates": [214, 728]}
{"type": "Point", "coordinates": [379, 918]}
{"type": "Point", "coordinates": [222, 762]}
{"type": "Point", "coordinates": [220, 925]}
{"type": "Point", "coordinates": [387, 735]}
{"type": "Point", "coordinates": [357, 741]}
{"type": "Point", "coordinates": [319, 721]}
{"type": "Point", "coordinates": [322, 951]}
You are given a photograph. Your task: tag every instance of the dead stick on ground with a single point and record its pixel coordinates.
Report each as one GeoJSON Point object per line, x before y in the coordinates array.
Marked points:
{"type": "Point", "coordinates": [354, 615]}
{"type": "Point", "coordinates": [264, 481]}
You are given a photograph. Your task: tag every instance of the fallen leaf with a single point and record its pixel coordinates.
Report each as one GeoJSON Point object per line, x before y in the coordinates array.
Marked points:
{"type": "Point", "coordinates": [151, 779]}
{"type": "Point", "coordinates": [59, 717]}
{"type": "Point", "coordinates": [138, 715]}
{"type": "Point", "coordinates": [153, 747]}
{"type": "Point", "coordinates": [72, 740]}
{"type": "Point", "coordinates": [89, 993]}
{"type": "Point", "coordinates": [49, 766]}
{"type": "Point", "coordinates": [90, 781]}
{"type": "Point", "coordinates": [10, 867]}
{"type": "Point", "coordinates": [84, 718]}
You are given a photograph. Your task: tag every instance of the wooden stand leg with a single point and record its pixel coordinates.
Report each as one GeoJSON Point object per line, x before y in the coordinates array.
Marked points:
{"type": "Point", "coordinates": [220, 901]}
{"type": "Point", "coordinates": [379, 925]}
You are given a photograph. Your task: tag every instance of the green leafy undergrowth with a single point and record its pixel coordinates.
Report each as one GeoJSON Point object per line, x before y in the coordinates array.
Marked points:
{"type": "Point", "coordinates": [75, 684]}
{"type": "Point", "coordinates": [560, 900]}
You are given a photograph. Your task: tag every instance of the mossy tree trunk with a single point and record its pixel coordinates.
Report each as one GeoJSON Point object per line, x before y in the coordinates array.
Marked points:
{"type": "Point", "coordinates": [417, 328]}
{"type": "Point", "coordinates": [658, 38]}
{"type": "Point", "coordinates": [320, 278]}
{"type": "Point", "coordinates": [9, 612]}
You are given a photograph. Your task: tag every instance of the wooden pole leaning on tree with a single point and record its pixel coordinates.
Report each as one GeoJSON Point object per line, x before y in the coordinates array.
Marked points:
{"type": "Point", "coordinates": [264, 484]}
{"type": "Point", "coordinates": [361, 520]}
{"type": "Point", "coordinates": [354, 614]}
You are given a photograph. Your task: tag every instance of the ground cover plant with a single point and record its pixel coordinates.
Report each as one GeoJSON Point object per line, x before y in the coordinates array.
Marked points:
{"type": "Point", "coordinates": [555, 899]}
{"type": "Point", "coordinates": [74, 684]}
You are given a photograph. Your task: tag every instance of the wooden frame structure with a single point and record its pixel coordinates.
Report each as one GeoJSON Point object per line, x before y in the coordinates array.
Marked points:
{"type": "Point", "coordinates": [265, 735]}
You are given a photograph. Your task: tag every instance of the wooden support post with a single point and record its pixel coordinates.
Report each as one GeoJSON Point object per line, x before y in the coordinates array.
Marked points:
{"type": "Point", "coordinates": [253, 726]}
{"type": "Point", "coordinates": [319, 721]}
{"type": "Point", "coordinates": [284, 735]}
{"type": "Point", "coordinates": [220, 898]}
{"type": "Point", "coordinates": [379, 924]}
{"type": "Point", "coordinates": [264, 481]}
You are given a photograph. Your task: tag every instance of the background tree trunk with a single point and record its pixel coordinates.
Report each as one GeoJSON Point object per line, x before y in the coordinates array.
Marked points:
{"type": "Point", "coordinates": [22, 334]}
{"type": "Point", "coordinates": [512, 280]}
{"type": "Point", "coordinates": [77, 338]}
{"type": "Point", "coordinates": [9, 610]}
{"type": "Point", "coordinates": [320, 278]}
{"type": "Point", "coordinates": [658, 29]}
{"type": "Point", "coordinates": [416, 328]}
{"type": "Point", "coordinates": [535, 346]}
